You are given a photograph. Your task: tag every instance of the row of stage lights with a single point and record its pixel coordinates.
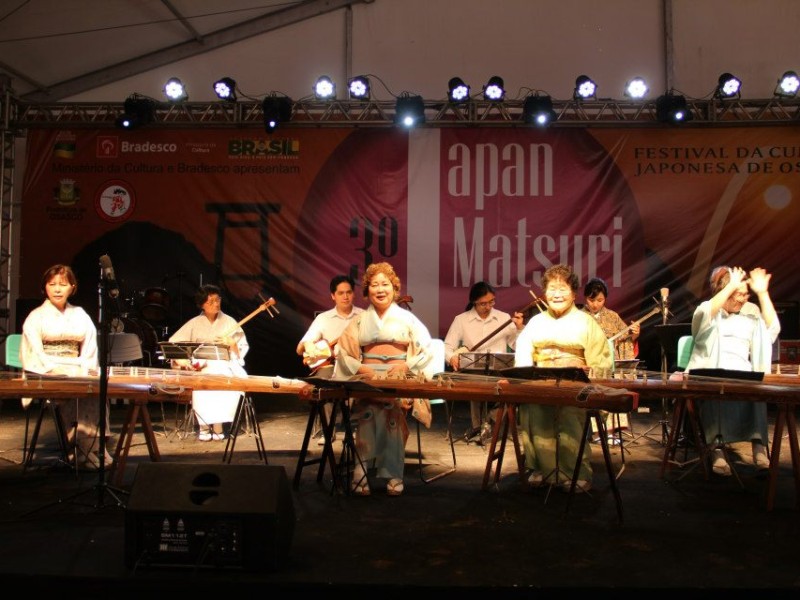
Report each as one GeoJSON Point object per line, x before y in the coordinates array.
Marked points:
{"type": "Point", "coordinates": [410, 109]}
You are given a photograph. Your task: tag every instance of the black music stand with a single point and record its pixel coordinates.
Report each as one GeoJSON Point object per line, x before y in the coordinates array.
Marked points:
{"type": "Point", "coordinates": [557, 374]}
{"type": "Point", "coordinates": [194, 351]}
{"type": "Point", "coordinates": [668, 336]}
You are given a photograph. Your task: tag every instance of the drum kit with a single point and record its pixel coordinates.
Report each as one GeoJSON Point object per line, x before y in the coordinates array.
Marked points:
{"type": "Point", "coordinates": [146, 317]}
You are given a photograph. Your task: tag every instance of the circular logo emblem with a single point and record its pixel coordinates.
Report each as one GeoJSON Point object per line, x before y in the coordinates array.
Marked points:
{"type": "Point", "coordinates": [115, 201]}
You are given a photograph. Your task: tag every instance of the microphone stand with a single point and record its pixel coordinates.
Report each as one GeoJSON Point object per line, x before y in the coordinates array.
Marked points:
{"type": "Point", "coordinates": [102, 346]}
{"type": "Point", "coordinates": [103, 352]}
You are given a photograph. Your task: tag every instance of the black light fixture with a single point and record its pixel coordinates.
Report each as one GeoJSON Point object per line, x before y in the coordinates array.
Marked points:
{"type": "Point", "coordinates": [324, 88]}
{"type": "Point", "coordinates": [672, 108]}
{"type": "Point", "coordinates": [175, 91]}
{"type": "Point", "coordinates": [225, 89]}
{"type": "Point", "coordinates": [538, 110]}
{"type": "Point", "coordinates": [358, 88]}
{"type": "Point", "coordinates": [729, 87]}
{"type": "Point", "coordinates": [138, 111]}
{"type": "Point", "coordinates": [585, 88]}
{"type": "Point", "coordinates": [277, 110]}
{"type": "Point", "coordinates": [636, 88]}
{"type": "Point", "coordinates": [409, 111]}
{"type": "Point", "coordinates": [457, 90]}
{"type": "Point", "coordinates": [788, 85]}
{"type": "Point", "coordinates": [494, 90]}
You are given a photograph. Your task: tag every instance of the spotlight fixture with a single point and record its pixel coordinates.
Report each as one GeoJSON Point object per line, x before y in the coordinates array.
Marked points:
{"type": "Point", "coordinates": [538, 110]}
{"type": "Point", "coordinates": [585, 88]}
{"type": "Point", "coordinates": [138, 111]}
{"type": "Point", "coordinates": [225, 89]}
{"type": "Point", "coordinates": [636, 88]}
{"type": "Point", "coordinates": [324, 88]}
{"type": "Point", "coordinates": [358, 87]}
{"type": "Point", "coordinates": [277, 110]}
{"type": "Point", "coordinates": [494, 89]}
{"type": "Point", "coordinates": [175, 91]}
{"type": "Point", "coordinates": [787, 85]}
{"type": "Point", "coordinates": [409, 111]}
{"type": "Point", "coordinates": [457, 90]}
{"type": "Point", "coordinates": [672, 108]}
{"type": "Point", "coordinates": [728, 87]}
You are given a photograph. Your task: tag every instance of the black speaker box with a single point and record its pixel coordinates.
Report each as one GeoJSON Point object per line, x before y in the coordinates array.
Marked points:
{"type": "Point", "coordinates": [209, 515]}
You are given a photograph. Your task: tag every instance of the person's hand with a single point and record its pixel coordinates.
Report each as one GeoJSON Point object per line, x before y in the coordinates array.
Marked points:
{"type": "Point", "coordinates": [519, 320]}
{"type": "Point", "coordinates": [454, 362]}
{"type": "Point", "coordinates": [759, 280]}
{"type": "Point", "coordinates": [398, 370]}
{"type": "Point", "coordinates": [635, 329]}
{"type": "Point", "coordinates": [738, 276]}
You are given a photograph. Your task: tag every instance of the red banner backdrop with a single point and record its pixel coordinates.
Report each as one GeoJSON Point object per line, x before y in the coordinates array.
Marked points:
{"type": "Point", "coordinates": [278, 216]}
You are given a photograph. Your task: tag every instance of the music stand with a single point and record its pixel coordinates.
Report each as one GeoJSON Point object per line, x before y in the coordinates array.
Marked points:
{"type": "Point", "coordinates": [558, 374]}
{"type": "Point", "coordinates": [539, 373]}
{"type": "Point", "coordinates": [194, 351]}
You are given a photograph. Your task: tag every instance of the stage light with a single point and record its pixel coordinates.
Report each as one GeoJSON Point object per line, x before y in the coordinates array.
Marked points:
{"type": "Point", "coordinates": [138, 111]}
{"type": "Point", "coordinates": [636, 88]}
{"type": "Point", "coordinates": [672, 108]}
{"type": "Point", "coordinates": [358, 87]}
{"type": "Point", "coordinates": [457, 90]}
{"type": "Point", "coordinates": [538, 110]}
{"type": "Point", "coordinates": [409, 111]}
{"type": "Point", "coordinates": [225, 89]}
{"type": "Point", "coordinates": [324, 88]}
{"type": "Point", "coordinates": [585, 88]}
{"type": "Point", "coordinates": [277, 110]}
{"type": "Point", "coordinates": [175, 91]}
{"type": "Point", "coordinates": [787, 85]}
{"type": "Point", "coordinates": [494, 89]}
{"type": "Point", "coordinates": [728, 87]}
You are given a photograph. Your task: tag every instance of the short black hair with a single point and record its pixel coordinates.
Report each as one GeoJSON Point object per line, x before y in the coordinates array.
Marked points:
{"type": "Point", "coordinates": [478, 290]}
{"type": "Point", "coordinates": [204, 292]}
{"type": "Point", "coordinates": [594, 286]}
{"type": "Point", "coordinates": [342, 279]}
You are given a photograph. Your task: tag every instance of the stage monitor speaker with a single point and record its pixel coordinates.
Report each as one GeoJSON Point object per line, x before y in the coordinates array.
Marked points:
{"type": "Point", "coordinates": [209, 515]}
{"type": "Point", "coordinates": [789, 316]}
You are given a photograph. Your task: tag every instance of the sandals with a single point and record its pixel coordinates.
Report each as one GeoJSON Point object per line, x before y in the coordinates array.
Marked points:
{"type": "Point", "coordinates": [720, 465]}
{"type": "Point", "coordinates": [360, 487]}
{"type": "Point", "coordinates": [394, 487]}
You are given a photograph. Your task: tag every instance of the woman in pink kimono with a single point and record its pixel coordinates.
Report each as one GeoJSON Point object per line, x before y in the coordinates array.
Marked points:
{"type": "Point", "coordinates": [390, 340]}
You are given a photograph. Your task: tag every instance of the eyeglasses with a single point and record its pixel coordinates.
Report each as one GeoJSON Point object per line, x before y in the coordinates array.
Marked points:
{"type": "Point", "coordinates": [743, 296]}
{"type": "Point", "coordinates": [485, 304]}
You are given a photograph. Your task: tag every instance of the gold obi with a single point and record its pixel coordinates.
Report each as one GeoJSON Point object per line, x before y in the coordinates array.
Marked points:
{"type": "Point", "coordinates": [553, 355]}
{"type": "Point", "coordinates": [70, 348]}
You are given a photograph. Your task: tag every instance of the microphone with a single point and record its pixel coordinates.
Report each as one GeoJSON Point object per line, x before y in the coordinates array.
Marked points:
{"type": "Point", "coordinates": [664, 304]}
{"type": "Point", "coordinates": [108, 275]}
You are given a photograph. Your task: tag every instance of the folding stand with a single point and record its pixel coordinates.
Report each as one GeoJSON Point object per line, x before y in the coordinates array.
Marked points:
{"type": "Point", "coordinates": [245, 411]}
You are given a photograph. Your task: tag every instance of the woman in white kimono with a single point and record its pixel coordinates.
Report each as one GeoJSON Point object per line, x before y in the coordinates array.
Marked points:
{"type": "Point", "coordinates": [213, 408]}
{"type": "Point", "coordinates": [61, 339]}
{"type": "Point", "coordinates": [390, 339]}
{"type": "Point", "coordinates": [731, 333]}
{"type": "Point", "coordinates": [563, 336]}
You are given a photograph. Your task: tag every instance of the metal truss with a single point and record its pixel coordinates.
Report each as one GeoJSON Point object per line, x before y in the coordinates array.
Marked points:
{"type": "Point", "coordinates": [8, 207]}
{"type": "Point", "coordinates": [381, 113]}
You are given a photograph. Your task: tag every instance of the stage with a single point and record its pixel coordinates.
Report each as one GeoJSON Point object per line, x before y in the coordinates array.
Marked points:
{"type": "Point", "coordinates": [680, 532]}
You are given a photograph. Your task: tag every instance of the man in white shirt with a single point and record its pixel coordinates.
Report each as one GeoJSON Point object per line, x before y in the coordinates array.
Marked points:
{"type": "Point", "coordinates": [480, 319]}
{"type": "Point", "coordinates": [316, 346]}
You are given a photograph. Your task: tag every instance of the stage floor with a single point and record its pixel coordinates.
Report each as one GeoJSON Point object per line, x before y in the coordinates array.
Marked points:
{"type": "Point", "coordinates": [65, 531]}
